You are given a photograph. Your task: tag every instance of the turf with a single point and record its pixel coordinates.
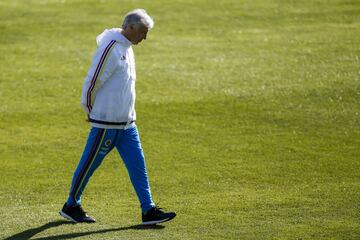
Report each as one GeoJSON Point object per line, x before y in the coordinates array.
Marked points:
{"type": "Point", "coordinates": [248, 113]}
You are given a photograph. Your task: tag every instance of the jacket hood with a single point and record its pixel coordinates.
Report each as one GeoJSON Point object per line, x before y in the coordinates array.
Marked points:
{"type": "Point", "coordinates": [112, 34]}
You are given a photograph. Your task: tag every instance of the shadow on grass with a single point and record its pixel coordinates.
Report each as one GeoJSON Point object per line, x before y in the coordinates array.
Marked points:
{"type": "Point", "coordinates": [27, 234]}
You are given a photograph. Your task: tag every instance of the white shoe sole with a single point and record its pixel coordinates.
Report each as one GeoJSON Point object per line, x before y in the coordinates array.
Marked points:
{"type": "Point", "coordinates": [155, 222]}
{"type": "Point", "coordinates": [67, 217]}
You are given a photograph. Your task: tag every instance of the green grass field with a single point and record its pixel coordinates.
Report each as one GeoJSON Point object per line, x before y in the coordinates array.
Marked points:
{"type": "Point", "coordinates": [248, 110]}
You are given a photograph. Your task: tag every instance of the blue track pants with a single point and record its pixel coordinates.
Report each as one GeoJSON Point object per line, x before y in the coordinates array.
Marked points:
{"type": "Point", "coordinates": [100, 142]}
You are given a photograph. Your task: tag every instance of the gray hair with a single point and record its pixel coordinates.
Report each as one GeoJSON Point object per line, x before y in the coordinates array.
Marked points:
{"type": "Point", "coordinates": [138, 17]}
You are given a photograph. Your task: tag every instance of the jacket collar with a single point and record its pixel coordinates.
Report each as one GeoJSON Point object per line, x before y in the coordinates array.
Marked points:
{"type": "Point", "coordinates": [121, 38]}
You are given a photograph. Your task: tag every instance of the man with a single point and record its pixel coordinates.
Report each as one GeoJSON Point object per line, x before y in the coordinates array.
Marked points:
{"type": "Point", "coordinates": [108, 97]}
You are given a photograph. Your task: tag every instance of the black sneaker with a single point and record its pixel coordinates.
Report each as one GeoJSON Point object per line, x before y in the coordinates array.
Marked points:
{"type": "Point", "coordinates": [76, 214]}
{"type": "Point", "coordinates": [155, 215]}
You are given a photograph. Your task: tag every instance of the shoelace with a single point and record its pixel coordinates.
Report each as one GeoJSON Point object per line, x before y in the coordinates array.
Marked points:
{"type": "Point", "coordinates": [158, 209]}
{"type": "Point", "coordinates": [81, 211]}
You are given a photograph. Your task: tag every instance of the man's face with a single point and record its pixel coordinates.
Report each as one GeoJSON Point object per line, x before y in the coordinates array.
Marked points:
{"type": "Point", "coordinates": [138, 34]}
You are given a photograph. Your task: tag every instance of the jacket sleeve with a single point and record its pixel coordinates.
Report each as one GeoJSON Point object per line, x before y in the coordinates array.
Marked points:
{"type": "Point", "coordinates": [103, 66]}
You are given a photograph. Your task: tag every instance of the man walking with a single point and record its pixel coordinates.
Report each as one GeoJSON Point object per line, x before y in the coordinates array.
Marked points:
{"type": "Point", "coordinates": [108, 97]}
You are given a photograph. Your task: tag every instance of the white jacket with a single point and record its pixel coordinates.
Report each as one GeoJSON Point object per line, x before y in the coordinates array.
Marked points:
{"type": "Point", "coordinates": [108, 94]}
